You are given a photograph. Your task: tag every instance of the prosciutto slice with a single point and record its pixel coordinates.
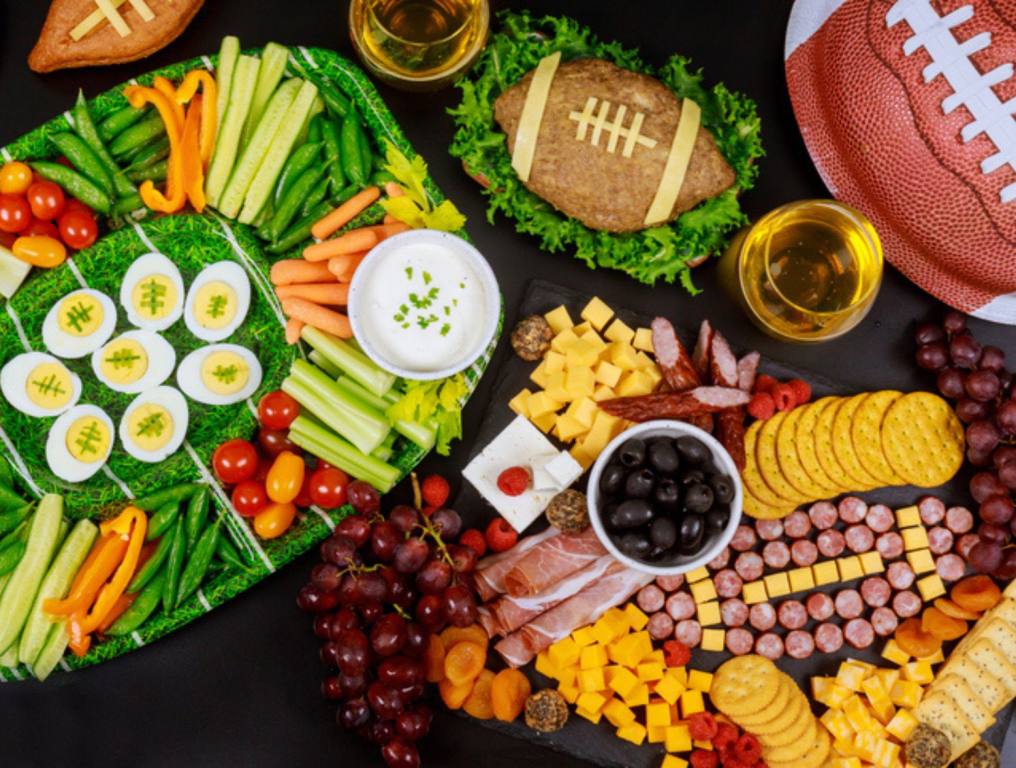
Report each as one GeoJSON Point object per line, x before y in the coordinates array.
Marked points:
{"type": "Point", "coordinates": [552, 560]}
{"type": "Point", "coordinates": [488, 578]}
{"type": "Point", "coordinates": [616, 585]}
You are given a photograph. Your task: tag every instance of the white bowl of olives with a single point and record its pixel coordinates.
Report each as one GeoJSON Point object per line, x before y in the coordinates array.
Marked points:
{"type": "Point", "coordinates": [664, 497]}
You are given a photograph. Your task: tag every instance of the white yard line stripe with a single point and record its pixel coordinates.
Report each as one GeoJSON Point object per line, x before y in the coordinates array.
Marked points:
{"type": "Point", "coordinates": [120, 483]}
{"type": "Point", "coordinates": [19, 464]}
{"type": "Point", "coordinates": [324, 516]}
{"type": "Point", "coordinates": [208, 63]}
{"type": "Point", "coordinates": [251, 543]}
{"type": "Point", "coordinates": [255, 273]}
{"type": "Point", "coordinates": [14, 672]}
{"type": "Point", "coordinates": [18, 327]}
{"type": "Point", "coordinates": [70, 120]}
{"type": "Point", "coordinates": [252, 408]}
{"type": "Point", "coordinates": [140, 232]}
{"type": "Point", "coordinates": [204, 601]}
{"type": "Point", "coordinates": [76, 272]}
{"type": "Point", "coordinates": [137, 638]}
{"type": "Point", "coordinates": [64, 665]}
{"type": "Point", "coordinates": [5, 154]}
{"type": "Point", "coordinates": [133, 81]}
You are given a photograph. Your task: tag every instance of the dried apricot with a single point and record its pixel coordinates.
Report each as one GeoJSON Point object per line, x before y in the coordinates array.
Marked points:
{"type": "Point", "coordinates": [454, 696]}
{"type": "Point", "coordinates": [976, 593]}
{"type": "Point", "coordinates": [433, 659]}
{"type": "Point", "coordinates": [478, 703]}
{"type": "Point", "coordinates": [942, 626]}
{"type": "Point", "coordinates": [464, 661]}
{"type": "Point", "coordinates": [915, 641]}
{"type": "Point", "coordinates": [474, 633]}
{"type": "Point", "coordinates": [949, 608]}
{"type": "Point", "coordinates": [508, 694]}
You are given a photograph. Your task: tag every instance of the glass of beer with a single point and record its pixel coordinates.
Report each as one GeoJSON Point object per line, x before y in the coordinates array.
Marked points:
{"type": "Point", "coordinates": [808, 271]}
{"type": "Point", "coordinates": [418, 44]}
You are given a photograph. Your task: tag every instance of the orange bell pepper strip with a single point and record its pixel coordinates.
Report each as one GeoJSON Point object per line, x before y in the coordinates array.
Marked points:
{"type": "Point", "coordinates": [122, 604]}
{"type": "Point", "coordinates": [175, 197]}
{"type": "Point", "coordinates": [167, 89]}
{"type": "Point", "coordinates": [193, 170]}
{"type": "Point", "coordinates": [102, 561]}
{"type": "Point", "coordinates": [209, 115]}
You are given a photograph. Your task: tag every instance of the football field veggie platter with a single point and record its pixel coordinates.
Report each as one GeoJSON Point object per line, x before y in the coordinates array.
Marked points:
{"type": "Point", "coordinates": [184, 405]}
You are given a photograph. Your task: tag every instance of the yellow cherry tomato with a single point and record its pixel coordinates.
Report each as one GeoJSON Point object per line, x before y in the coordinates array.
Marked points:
{"type": "Point", "coordinates": [40, 251]}
{"type": "Point", "coordinates": [285, 478]}
{"type": "Point", "coordinates": [274, 520]}
{"type": "Point", "coordinates": [15, 178]}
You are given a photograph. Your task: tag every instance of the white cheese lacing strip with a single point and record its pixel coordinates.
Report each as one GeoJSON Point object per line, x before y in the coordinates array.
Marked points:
{"type": "Point", "coordinates": [971, 89]}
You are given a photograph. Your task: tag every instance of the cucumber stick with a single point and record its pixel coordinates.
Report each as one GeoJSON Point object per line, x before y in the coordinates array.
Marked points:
{"type": "Point", "coordinates": [229, 52]}
{"type": "Point", "coordinates": [317, 108]}
{"type": "Point", "coordinates": [250, 159]}
{"type": "Point", "coordinates": [274, 58]}
{"type": "Point", "coordinates": [23, 586]}
{"type": "Point", "coordinates": [271, 166]}
{"type": "Point", "coordinates": [56, 584]}
{"type": "Point", "coordinates": [241, 91]}
{"type": "Point", "coordinates": [52, 651]}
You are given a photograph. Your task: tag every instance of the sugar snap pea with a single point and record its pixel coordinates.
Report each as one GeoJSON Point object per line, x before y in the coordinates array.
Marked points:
{"type": "Point", "coordinates": [292, 201]}
{"type": "Point", "coordinates": [162, 520]}
{"type": "Point", "coordinates": [299, 231]}
{"type": "Point", "coordinates": [74, 184]}
{"type": "Point", "coordinates": [298, 162]}
{"type": "Point", "coordinates": [197, 564]}
{"type": "Point", "coordinates": [174, 567]}
{"type": "Point", "coordinates": [366, 154]}
{"type": "Point", "coordinates": [84, 159]}
{"type": "Point", "coordinates": [336, 103]}
{"type": "Point", "coordinates": [137, 135]}
{"type": "Point", "coordinates": [128, 204]}
{"type": "Point", "coordinates": [330, 135]}
{"type": "Point", "coordinates": [9, 500]}
{"type": "Point", "coordinates": [86, 130]}
{"type": "Point", "coordinates": [352, 157]}
{"type": "Point", "coordinates": [11, 520]}
{"type": "Point", "coordinates": [149, 154]}
{"type": "Point", "coordinates": [227, 553]}
{"type": "Point", "coordinates": [196, 516]}
{"type": "Point", "coordinates": [315, 196]}
{"type": "Point", "coordinates": [152, 565]}
{"type": "Point", "coordinates": [314, 129]}
{"type": "Point", "coordinates": [119, 121]}
{"type": "Point", "coordinates": [155, 172]}
{"type": "Point", "coordinates": [176, 493]}
{"type": "Point", "coordinates": [142, 607]}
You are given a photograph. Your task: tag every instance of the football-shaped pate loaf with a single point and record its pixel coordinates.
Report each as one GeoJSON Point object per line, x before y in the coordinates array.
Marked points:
{"type": "Point", "coordinates": [615, 149]}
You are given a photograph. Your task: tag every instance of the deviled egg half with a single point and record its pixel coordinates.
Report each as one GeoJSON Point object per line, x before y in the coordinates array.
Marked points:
{"type": "Point", "coordinates": [217, 301]}
{"type": "Point", "coordinates": [79, 323]}
{"type": "Point", "coordinates": [152, 292]}
{"type": "Point", "coordinates": [219, 374]}
{"type": "Point", "coordinates": [154, 425]}
{"type": "Point", "coordinates": [38, 384]}
{"type": "Point", "coordinates": [79, 443]}
{"type": "Point", "coordinates": [134, 361]}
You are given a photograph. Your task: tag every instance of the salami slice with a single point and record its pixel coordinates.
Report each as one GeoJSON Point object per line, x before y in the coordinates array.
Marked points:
{"type": "Point", "coordinates": [762, 616]}
{"type": "Point", "coordinates": [749, 566]}
{"type": "Point", "coordinates": [884, 621]}
{"type": "Point", "coordinates": [859, 538]}
{"type": "Point", "coordinates": [720, 562]}
{"type": "Point", "coordinates": [906, 604]}
{"type": "Point", "coordinates": [776, 555]}
{"type": "Point", "coordinates": [672, 358]}
{"type": "Point", "coordinates": [797, 524]}
{"type": "Point", "coordinates": [744, 539]}
{"type": "Point", "coordinates": [670, 583]}
{"type": "Point", "coordinates": [769, 645]}
{"type": "Point", "coordinates": [931, 510]}
{"type": "Point", "coordinates": [660, 626]}
{"type": "Point", "coordinates": [859, 633]}
{"type": "Point", "coordinates": [852, 509]}
{"type": "Point", "coordinates": [890, 545]}
{"type": "Point", "coordinates": [792, 614]}
{"type": "Point", "coordinates": [950, 567]}
{"type": "Point", "coordinates": [675, 405]}
{"type": "Point", "coordinates": [831, 543]}
{"type": "Point", "coordinates": [880, 518]}
{"type": "Point", "coordinates": [722, 362]}
{"type": "Point", "coordinates": [849, 604]}
{"type": "Point", "coordinates": [650, 599]}
{"type": "Point", "coordinates": [688, 632]}
{"type": "Point", "coordinates": [876, 591]}
{"type": "Point", "coordinates": [828, 637]}
{"type": "Point", "coordinates": [940, 540]}
{"type": "Point", "coordinates": [966, 543]}
{"type": "Point", "coordinates": [739, 641]}
{"type": "Point", "coordinates": [799, 644]}
{"type": "Point", "coordinates": [747, 368]}
{"type": "Point", "coordinates": [804, 553]}
{"type": "Point", "coordinates": [727, 583]}
{"type": "Point", "coordinates": [959, 520]}
{"type": "Point", "coordinates": [680, 605]}
{"type": "Point", "coordinates": [730, 432]}
{"type": "Point", "coordinates": [823, 515]}
{"type": "Point", "coordinates": [769, 530]}
{"type": "Point", "coordinates": [820, 606]}
{"type": "Point", "coordinates": [900, 575]}
{"type": "Point", "coordinates": [734, 612]}
{"type": "Point", "coordinates": [700, 357]}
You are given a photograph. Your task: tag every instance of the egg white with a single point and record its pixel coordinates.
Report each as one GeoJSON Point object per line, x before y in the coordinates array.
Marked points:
{"type": "Point", "coordinates": [170, 399]}
{"type": "Point", "coordinates": [188, 375]}
{"type": "Point", "coordinates": [60, 461]}
{"type": "Point", "coordinates": [65, 345]}
{"type": "Point", "coordinates": [232, 274]}
{"type": "Point", "coordinates": [143, 266]}
{"type": "Point", "coordinates": [161, 361]}
{"type": "Point", "coordinates": [14, 377]}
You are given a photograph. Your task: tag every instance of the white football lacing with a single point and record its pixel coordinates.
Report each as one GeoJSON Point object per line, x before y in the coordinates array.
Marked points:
{"type": "Point", "coordinates": [951, 59]}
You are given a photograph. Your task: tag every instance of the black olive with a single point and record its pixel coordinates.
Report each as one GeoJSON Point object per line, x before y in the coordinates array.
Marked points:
{"type": "Point", "coordinates": [663, 532]}
{"type": "Point", "coordinates": [633, 513]}
{"type": "Point", "coordinates": [667, 494]}
{"type": "Point", "coordinates": [717, 519]}
{"type": "Point", "coordinates": [692, 450]}
{"type": "Point", "coordinates": [639, 484]}
{"type": "Point", "coordinates": [663, 457]}
{"type": "Point", "coordinates": [612, 479]}
{"type": "Point", "coordinates": [723, 489]}
{"type": "Point", "coordinates": [690, 534]}
{"type": "Point", "coordinates": [691, 477]}
{"type": "Point", "coordinates": [656, 553]}
{"type": "Point", "coordinates": [632, 453]}
{"type": "Point", "coordinates": [635, 545]}
{"type": "Point", "coordinates": [698, 498]}
{"type": "Point", "coordinates": [609, 513]}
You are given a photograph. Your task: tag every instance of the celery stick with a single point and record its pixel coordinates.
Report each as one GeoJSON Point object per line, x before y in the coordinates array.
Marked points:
{"type": "Point", "coordinates": [336, 410]}
{"type": "Point", "coordinates": [339, 453]}
{"type": "Point", "coordinates": [229, 52]}
{"type": "Point", "coordinates": [421, 434]}
{"type": "Point", "coordinates": [228, 139]}
{"type": "Point", "coordinates": [357, 365]}
{"type": "Point", "coordinates": [273, 65]}
{"type": "Point", "coordinates": [354, 390]}
{"type": "Point", "coordinates": [322, 362]}
{"type": "Point", "coordinates": [382, 452]}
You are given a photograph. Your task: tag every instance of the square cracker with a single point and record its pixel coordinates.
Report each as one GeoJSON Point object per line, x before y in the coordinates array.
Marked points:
{"type": "Point", "coordinates": [989, 689]}
{"type": "Point", "coordinates": [988, 657]}
{"type": "Point", "coordinates": [1001, 633]}
{"type": "Point", "coordinates": [968, 702]}
{"type": "Point", "coordinates": [939, 711]}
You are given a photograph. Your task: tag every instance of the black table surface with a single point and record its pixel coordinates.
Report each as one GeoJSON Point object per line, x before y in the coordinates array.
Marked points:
{"type": "Point", "coordinates": [240, 686]}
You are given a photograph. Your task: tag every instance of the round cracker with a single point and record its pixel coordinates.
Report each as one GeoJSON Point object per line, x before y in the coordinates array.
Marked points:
{"type": "Point", "coordinates": [923, 439]}
{"type": "Point", "coordinates": [824, 445]}
{"type": "Point", "coordinates": [813, 758]}
{"type": "Point", "coordinates": [753, 482]}
{"type": "Point", "coordinates": [843, 445]}
{"type": "Point", "coordinates": [744, 685]}
{"type": "Point", "coordinates": [866, 435]}
{"type": "Point", "coordinates": [769, 465]}
{"type": "Point", "coordinates": [793, 744]}
{"type": "Point", "coordinates": [806, 450]}
{"type": "Point", "coordinates": [789, 458]}
{"type": "Point", "coordinates": [760, 511]}
{"type": "Point", "coordinates": [772, 710]}
{"type": "Point", "coordinates": [792, 712]}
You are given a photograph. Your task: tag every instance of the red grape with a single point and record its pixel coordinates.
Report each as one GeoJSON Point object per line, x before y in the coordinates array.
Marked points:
{"type": "Point", "coordinates": [1005, 417]}
{"type": "Point", "coordinates": [434, 577]}
{"type": "Point", "coordinates": [352, 652]}
{"type": "Point", "coordinates": [416, 640]}
{"type": "Point", "coordinates": [384, 538]}
{"type": "Point", "coordinates": [926, 333]}
{"type": "Point", "coordinates": [410, 693]}
{"type": "Point", "coordinates": [404, 517]}
{"type": "Point", "coordinates": [341, 620]}
{"type": "Point", "coordinates": [364, 497]}
{"type": "Point", "coordinates": [997, 509]}
{"type": "Point", "coordinates": [399, 671]}
{"type": "Point", "coordinates": [992, 359]}
{"type": "Point", "coordinates": [371, 586]}
{"type": "Point", "coordinates": [983, 436]}
{"type": "Point", "coordinates": [1003, 455]}
{"type": "Point", "coordinates": [329, 653]}
{"type": "Point", "coordinates": [381, 731]}
{"type": "Point", "coordinates": [978, 458]}
{"type": "Point", "coordinates": [964, 351]}
{"type": "Point", "coordinates": [353, 685]}
{"type": "Point", "coordinates": [983, 485]}
{"type": "Point", "coordinates": [349, 593]}
{"type": "Point", "coordinates": [1005, 572]}
{"type": "Point", "coordinates": [327, 576]}
{"type": "Point", "coordinates": [970, 410]}
{"type": "Point", "coordinates": [430, 611]}
{"type": "Point", "coordinates": [353, 714]}
{"type": "Point", "coordinates": [400, 754]}
{"type": "Point", "coordinates": [993, 533]}
{"type": "Point", "coordinates": [954, 322]}
{"type": "Point", "coordinates": [1007, 475]}
{"type": "Point", "coordinates": [981, 385]}
{"type": "Point", "coordinates": [401, 592]}
{"type": "Point", "coordinates": [447, 522]}
{"type": "Point", "coordinates": [410, 555]}
{"type": "Point", "coordinates": [463, 558]}
{"type": "Point", "coordinates": [459, 606]}
{"type": "Point", "coordinates": [331, 688]}
{"type": "Point", "coordinates": [388, 635]}
{"type": "Point", "coordinates": [355, 527]}
{"type": "Point", "coordinates": [339, 549]}
{"type": "Point", "coordinates": [985, 556]}
{"type": "Point", "coordinates": [315, 600]}
{"type": "Point", "coordinates": [322, 626]}
{"type": "Point", "coordinates": [932, 357]}
{"type": "Point", "coordinates": [371, 612]}
{"type": "Point", "coordinates": [950, 383]}
{"type": "Point", "coordinates": [385, 701]}
{"type": "Point", "coordinates": [413, 724]}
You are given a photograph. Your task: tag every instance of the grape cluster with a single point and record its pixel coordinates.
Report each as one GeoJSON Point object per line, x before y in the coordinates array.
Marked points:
{"type": "Point", "coordinates": [975, 377]}
{"type": "Point", "coordinates": [384, 586]}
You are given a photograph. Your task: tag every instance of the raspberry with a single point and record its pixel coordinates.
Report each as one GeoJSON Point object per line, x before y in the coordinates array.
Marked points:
{"type": "Point", "coordinates": [702, 726]}
{"type": "Point", "coordinates": [747, 749]}
{"type": "Point", "coordinates": [475, 541]}
{"type": "Point", "coordinates": [783, 397]}
{"type": "Point", "coordinates": [802, 391]}
{"type": "Point", "coordinates": [764, 383]}
{"type": "Point", "coordinates": [513, 481]}
{"type": "Point", "coordinates": [761, 406]}
{"type": "Point", "coordinates": [435, 491]}
{"type": "Point", "coordinates": [726, 735]}
{"type": "Point", "coordinates": [702, 758]}
{"type": "Point", "coordinates": [676, 653]}
{"type": "Point", "coordinates": [500, 535]}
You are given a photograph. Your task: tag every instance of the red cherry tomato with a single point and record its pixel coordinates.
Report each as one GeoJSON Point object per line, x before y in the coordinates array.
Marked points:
{"type": "Point", "coordinates": [15, 178]}
{"type": "Point", "coordinates": [235, 461]}
{"type": "Point", "coordinates": [285, 478]}
{"type": "Point", "coordinates": [46, 199]}
{"type": "Point", "coordinates": [249, 498]}
{"type": "Point", "coordinates": [264, 465]}
{"type": "Point", "coordinates": [303, 499]}
{"type": "Point", "coordinates": [73, 204]}
{"type": "Point", "coordinates": [275, 441]}
{"type": "Point", "coordinates": [42, 228]}
{"type": "Point", "coordinates": [15, 213]}
{"type": "Point", "coordinates": [78, 229]}
{"type": "Point", "coordinates": [328, 487]}
{"type": "Point", "coordinates": [277, 410]}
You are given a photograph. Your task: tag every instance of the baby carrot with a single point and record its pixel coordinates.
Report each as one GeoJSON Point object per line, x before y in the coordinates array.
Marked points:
{"type": "Point", "coordinates": [393, 190]}
{"type": "Point", "coordinates": [389, 219]}
{"type": "Point", "coordinates": [290, 271]}
{"type": "Point", "coordinates": [343, 267]}
{"type": "Point", "coordinates": [319, 317]}
{"type": "Point", "coordinates": [349, 242]}
{"type": "Point", "coordinates": [387, 229]}
{"type": "Point", "coordinates": [293, 328]}
{"type": "Point", "coordinates": [345, 213]}
{"type": "Point", "coordinates": [320, 293]}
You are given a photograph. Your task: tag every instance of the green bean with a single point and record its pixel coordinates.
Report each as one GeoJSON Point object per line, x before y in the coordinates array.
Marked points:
{"type": "Point", "coordinates": [174, 566]}
{"type": "Point", "coordinates": [197, 565]}
{"type": "Point", "coordinates": [366, 154]}
{"type": "Point", "coordinates": [142, 607]}
{"type": "Point", "coordinates": [74, 184]}
{"type": "Point", "coordinates": [314, 129]}
{"type": "Point", "coordinates": [316, 195]}
{"type": "Point", "coordinates": [119, 121]}
{"type": "Point", "coordinates": [137, 135]}
{"type": "Point", "coordinates": [149, 154]}
{"type": "Point", "coordinates": [196, 516]}
{"type": "Point", "coordinates": [128, 204]}
{"type": "Point", "coordinates": [299, 231]}
{"type": "Point", "coordinates": [298, 162]}
{"type": "Point", "coordinates": [294, 198]}
{"type": "Point", "coordinates": [160, 522]}
{"type": "Point", "coordinates": [84, 159]}
{"type": "Point", "coordinates": [336, 103]}
{"type": "Point", "coordinates": [333, 154]}
{"type": "Point", "coordinates": [227, 553]}
{"type": "Point", "coordinates": [86, 130]}
{"type": "Point", "coordinates": [155, 172]}
{"type": "Point", "coordinates": [11, 556]}
{"type": "Point", "coordinates": [176, 494]}
{"type": "Point", "coordinates": [152, 565]}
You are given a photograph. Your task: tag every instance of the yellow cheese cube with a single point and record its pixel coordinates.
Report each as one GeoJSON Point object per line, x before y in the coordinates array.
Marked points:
{"type": "Point", "coordinates": [672, 761]}
{"type": "Point", "coordinates": [607, 373]}
{"type": "Point", "coordinates": [888, 677]}
{"type": "Point", "coordinates": [886, 754]}
{"type": "Point", "coordinates": [894, 653]}
{"type": "Point", "coordinates": [606, 631]}
{"type": "Point", "coordinates": [705, 745]}
{"type": "Point", "coordinates": [654, 375]}
{"type": "Point", "coordinates": [583, 636]}
{"type": "Point", "coordinates": [697, 575]}
{"type": "Point", "coordinates": [754, 592]}
{"type": "Point", "coordinates": [593, 717]}
{"type": "Point", "coordinates": [871, 562]}
{"type": "Point", "coordinates": [878, 699]}
{"type": "Point", "coordinates": [568, 428]}
{"type": "Point", "coordinates": [669, 689]}
{"type": "Point", "coordinates": [820, 687]}
{"type": "Point", "coordinates": [680, 674]}
{"type": "Point", "coordinates": [918, 672]}
{"type": "Point", "coordinates": [597, 313]}
{"type": "Point", "coordinates": [644, 362]}
{"type": "Point", "coordinates": [583, 410]}
{"type": "Point", "coordinates": [921, 560]}
{"type": "Point", "coordinates": [857, 713]}
{"type": "Point", "coordinates": [593, 656]}
{"type": "Point", "coordinates": [553, 362]}
{"type": "Point", "coordinates": [905, 694]}
{"type": "Point", "coordinates": [539, 376]}
{"type": "Point", "coordinates": [582, 456]}
{"type": "Point", "coordinates": [623, 356]}
{"type": "Point", "coordinates": [637, 620]}
{"type": "Point", "coordinates": [579, 382]}
{"type": "Point", "coordinates": [837, 724]}
{"type": "Point", "coordinates": [567, 675]}
{"type": "Point", "coordinates": [541, 403]}
{"type": "Point", "coordinates": [902, 724]}
{"type": "Point", "coordinates": [545, 666]}
{"type": "Point", "coordinates": [849, 568]}
{"type": "Point", "coordinates": [930, 587]}
{"type": "Point", "coordinates": [591, 679]}
{"type": "Point", "coordinates": [801, 580]}
{"type": "Point", "coordinates": [591, 701]}
{"type": "Point", "coordinates": [634, 384]}
{"type": "Point", "coordinates": [712, 640]}
{"type": "Point", "coordinates": [564, 340]}
{"type": "Point", "coordinates": [657, 734]}
{"type": "Point", "coordinates": [558, 319]}
{"type": "Point", "coordinates": [643, 340]}
{"type": "Point", "coordinates": [582, 328]}
{"type": "Point", "coordinates": [594, 339]}
{"type": "Point", "coordinates": [691, 703]}
{"type": "Point", "coordinates": [618, 713]}
{"type": "Point", "coordinates": [623, 682]}
{"type": "Point", "coordinates": [709, 613]}
{"type": "Point", "coordinates": [915, 537]}
{"type": "Point", "coordinates": [570, 692]}
{"type": "Point", "coordinates": [678, 738]}
{"type": "Point", "coordinates": [638, 697]}
{"type": "Point", "coordinates": [556, 387]}
{"type": "Point", "coordinates": [837, 695]}
{"type": "Point", "coordinates": [564, 653]}
{"type": "Point", "coordinates": [518, 404]}
{"type": "Point", "coordinates": [777, 584]}
{"type": "Point", "coordinates": [544, 422]}
{"type": "Point", "coordinates": [936, 658]}
{"type": "Point", "coordinates": [846, 762]}
{"type": "Point", "coordinates": [851, 675]}
{"type": "Point", "coordinates": [907, 516]}
{"type": "Point", "coordinates": [658, 713]}
{"type": "Point", "coordinates": [700, 681]}
{"type": "Point", "coordinates": [703, 591]}
{"type": "Point", "coordinates": [865, 743]}
{"type": "Point", "coordinates": [633, 732]}
{"type": "Point", "coordinates": [825, 573]}
{"type": "Point", "coordinates": [618, 331]}
{"type": "Point", "coordinates": [648, 671]}
{"type": "Point", "coordinates": [658, 656]}
{"type": "Point", "coordinates": [581, 354]}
